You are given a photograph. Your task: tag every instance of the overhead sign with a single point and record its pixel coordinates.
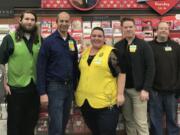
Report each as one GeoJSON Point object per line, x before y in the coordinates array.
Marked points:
{"type": "Point", "coordinates": [162, 6]}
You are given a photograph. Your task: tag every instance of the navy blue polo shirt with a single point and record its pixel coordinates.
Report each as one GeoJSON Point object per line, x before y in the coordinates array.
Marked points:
{"type": "Point", "coordinates": [57, 61]}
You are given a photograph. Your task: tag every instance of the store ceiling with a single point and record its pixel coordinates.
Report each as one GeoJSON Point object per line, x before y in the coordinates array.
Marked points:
{"type": "Point", "coordinates": [20, 3]}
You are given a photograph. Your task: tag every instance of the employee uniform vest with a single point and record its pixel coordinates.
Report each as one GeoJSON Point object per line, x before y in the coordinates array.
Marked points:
{"type": "Point", "coordinates": [22, 63]}
{"type": "Point", "coordinates": [96, 84]}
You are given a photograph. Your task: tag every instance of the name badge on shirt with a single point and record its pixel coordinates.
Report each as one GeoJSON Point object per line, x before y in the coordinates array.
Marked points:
{"type": "Point", "coordinates": [132, 48]}
{"type": "Point", "coordinates": [168, 48]}
{"type": "Point", "coordinates": [98, 61]}
{"type": "Point", "coordinates": [71, 45]}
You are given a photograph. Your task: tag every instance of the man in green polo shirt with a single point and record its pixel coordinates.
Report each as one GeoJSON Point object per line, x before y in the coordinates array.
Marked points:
{"type": "Point", "coordinates": [19, 50]}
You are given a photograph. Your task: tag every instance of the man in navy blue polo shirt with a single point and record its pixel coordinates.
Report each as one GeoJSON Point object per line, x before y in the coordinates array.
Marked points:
{"type": "Point", "coordinates": [56, 74]}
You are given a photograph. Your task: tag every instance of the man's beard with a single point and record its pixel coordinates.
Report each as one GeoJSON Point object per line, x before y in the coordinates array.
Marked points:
{"type": "Point", "coordinates": [25, 30]}
{"type": "Point", "coordinates": [162, 38]}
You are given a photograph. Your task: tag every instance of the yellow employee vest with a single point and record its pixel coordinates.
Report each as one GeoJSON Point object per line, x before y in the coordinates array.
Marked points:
{"type": "Point", "coordinates": [96, 84]}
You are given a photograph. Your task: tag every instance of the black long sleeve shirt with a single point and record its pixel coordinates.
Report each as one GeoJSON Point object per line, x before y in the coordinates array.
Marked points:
{"type": "Point", "coordinates": [7, 47]}
{"type": "Point", "coordinates": [140, 64]}
{"type": "Point", "coordinates": [167, 61]}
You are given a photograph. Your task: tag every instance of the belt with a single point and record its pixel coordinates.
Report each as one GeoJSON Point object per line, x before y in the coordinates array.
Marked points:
{"type": "Point", "coordinates": [61, 82]}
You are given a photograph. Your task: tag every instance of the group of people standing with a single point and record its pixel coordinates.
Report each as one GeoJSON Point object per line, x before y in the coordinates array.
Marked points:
{"type": "Point", "coordinates": [133, 76]}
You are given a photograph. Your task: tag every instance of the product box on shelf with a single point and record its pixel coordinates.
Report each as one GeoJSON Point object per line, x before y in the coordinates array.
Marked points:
{"type": "Point", "coordinates": [3, 127]}
{"type": "Point", "coordinates": [3, 119]}
{"type": "Point", "coordinates": [178, 113]}
{"type": "Point", "coordinates": [42, 125]}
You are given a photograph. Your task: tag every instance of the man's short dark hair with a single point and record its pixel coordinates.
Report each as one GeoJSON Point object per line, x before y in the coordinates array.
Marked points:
{"type": "Point", "coordinates": [127, 19]}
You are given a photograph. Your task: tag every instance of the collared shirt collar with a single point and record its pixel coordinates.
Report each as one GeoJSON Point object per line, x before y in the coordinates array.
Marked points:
{"type": "Point", "coordinates": [155, 40]}
{"type": "Point", "coordinates": [58, 35]}
{"type": "Point", "coordinates": [133, 41]}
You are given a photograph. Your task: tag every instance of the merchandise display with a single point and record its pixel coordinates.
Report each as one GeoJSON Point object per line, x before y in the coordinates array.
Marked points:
{"type": "Point", "coordinates": [80, 29]}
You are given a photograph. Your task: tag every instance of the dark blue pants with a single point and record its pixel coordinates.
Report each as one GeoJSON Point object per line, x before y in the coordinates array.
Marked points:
{"type": "Point", "coordinates": [100, 121]}
{"type": "Point", "coordinates": [23, 110]}
{"type": "Point", "coordinates": [60, 100]}
{"type": "Point", "coordinates": [159, 104]}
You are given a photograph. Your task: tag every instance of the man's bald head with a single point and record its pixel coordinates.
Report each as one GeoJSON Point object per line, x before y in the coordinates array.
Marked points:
{"type": "Point", "coordinates": [162, 23]}
{"type": "Point", "coordinates": [62, 14]}
{"type": "Point", "coordinates": [162, 31]}
{"type": "Point", "coordinates": [63, 22]}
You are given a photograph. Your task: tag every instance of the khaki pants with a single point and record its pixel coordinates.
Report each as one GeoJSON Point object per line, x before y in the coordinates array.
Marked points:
{"type": "Point", "coordinates": [135, 113]}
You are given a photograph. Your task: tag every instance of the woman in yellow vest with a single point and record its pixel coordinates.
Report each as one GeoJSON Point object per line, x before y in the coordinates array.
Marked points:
{"type": "Point", "coordinates": [100, 91]}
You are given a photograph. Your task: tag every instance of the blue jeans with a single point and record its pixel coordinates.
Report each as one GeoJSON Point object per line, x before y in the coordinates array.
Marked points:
{"type": "Point", "coordinates": [158, 104]}
{"type": "Point", "coordinates": [60, 100]}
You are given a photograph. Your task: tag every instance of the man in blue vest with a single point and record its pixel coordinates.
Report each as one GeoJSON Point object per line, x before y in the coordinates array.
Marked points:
{"type": "Point", "coordinates": [19, 50]}
{"type": "Point", "coordinates": [56, 74]}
